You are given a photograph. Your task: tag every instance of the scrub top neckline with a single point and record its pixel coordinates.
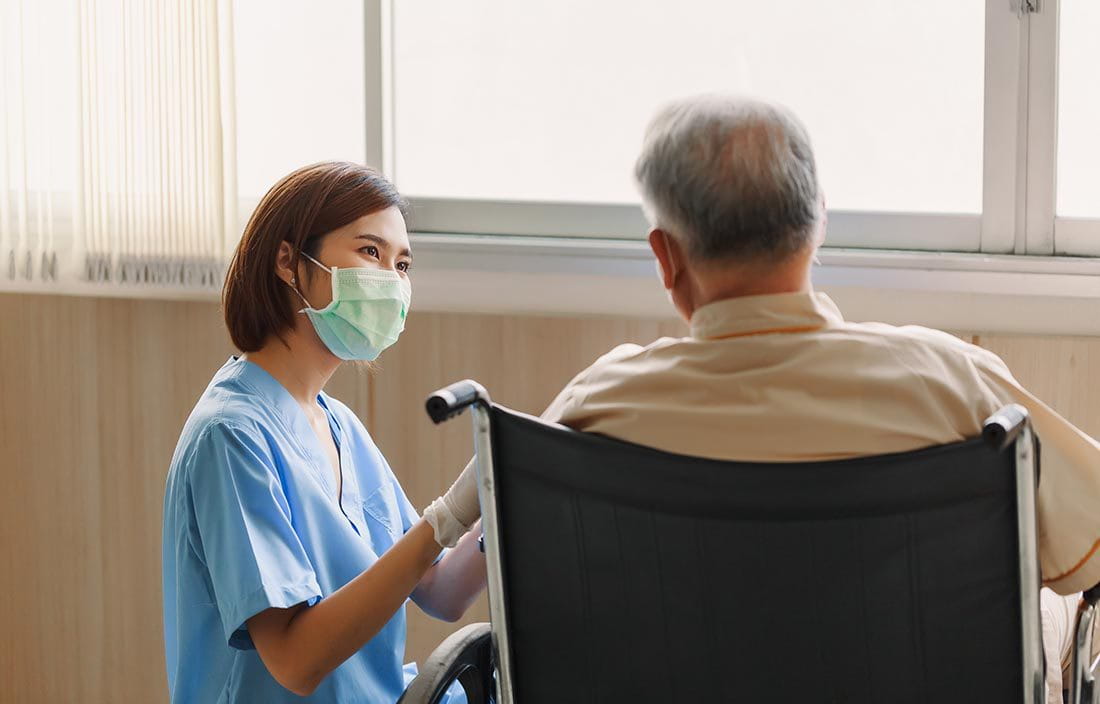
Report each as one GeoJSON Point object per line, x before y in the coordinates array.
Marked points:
{"type": "Point", "coordinates": [291, 413]}
{"type": "Point", "coordinates": [345, 476]}
{"type": "Point", "coordinates": [263, 383]}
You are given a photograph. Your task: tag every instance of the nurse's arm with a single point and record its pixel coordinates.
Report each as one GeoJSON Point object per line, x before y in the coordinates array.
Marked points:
{"type": "Point", "coordinates": [301, 645]}
{"type": "Point", "coordinates": [453, 583]}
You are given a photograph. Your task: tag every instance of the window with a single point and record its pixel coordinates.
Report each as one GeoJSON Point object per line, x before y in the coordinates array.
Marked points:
{"type": "Point", "coordinates": [300, 89]}
{"type": "Point", "coordinates": [38, 136]}
{"type": "Point", "coordinates": [545, 103]}
{"type": "Point", "coordinates": [1079, 110]}
{"type": "Point", "coordinates": [935, 124]}
{"type": "Point", "coordinates": [547, 100]}
{"type": "Point", "coordinates": [114, 166]}
{"type": "Point", "coordinates": [1078, 174]}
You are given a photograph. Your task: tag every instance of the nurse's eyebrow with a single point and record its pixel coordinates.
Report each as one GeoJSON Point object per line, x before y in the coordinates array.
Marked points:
{"type": "Point", "coordinates": [383, 244]}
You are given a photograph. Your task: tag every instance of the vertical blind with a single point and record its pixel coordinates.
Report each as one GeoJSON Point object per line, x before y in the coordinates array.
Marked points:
{"type": "Point", "coordinates": [118, 162]}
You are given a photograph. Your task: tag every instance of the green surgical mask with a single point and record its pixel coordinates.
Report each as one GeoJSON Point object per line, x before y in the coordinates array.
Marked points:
{"type": "Point", "coordinates": [367, 313]}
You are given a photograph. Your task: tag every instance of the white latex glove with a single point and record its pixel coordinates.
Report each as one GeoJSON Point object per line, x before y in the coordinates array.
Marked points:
{"type": "Point", "coordinates": [452, 514]}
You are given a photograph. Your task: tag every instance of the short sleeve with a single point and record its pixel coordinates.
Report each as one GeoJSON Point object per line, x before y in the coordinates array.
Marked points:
{"type": "Point", "coordinates": [562, 404]}
{"type": "Point", "coordinates": [252, 553]}
{"type": "Point", "coordinates": [1069, 490]}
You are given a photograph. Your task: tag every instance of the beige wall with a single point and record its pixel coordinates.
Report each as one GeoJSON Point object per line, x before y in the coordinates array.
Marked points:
{"type": "Point", "coordinates": [93, 393]}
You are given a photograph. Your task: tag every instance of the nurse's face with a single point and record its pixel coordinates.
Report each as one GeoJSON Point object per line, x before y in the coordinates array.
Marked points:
{"type": "Point", "coordinates": [376, 241]}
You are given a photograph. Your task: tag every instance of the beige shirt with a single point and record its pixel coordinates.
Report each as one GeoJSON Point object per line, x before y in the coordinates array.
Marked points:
{"type": "Point", "coordinates": [786, 378]}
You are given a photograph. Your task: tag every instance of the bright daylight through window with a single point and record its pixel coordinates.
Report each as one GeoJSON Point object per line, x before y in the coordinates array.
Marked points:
{"type": "Point", "coordinates": [299, 88]}
{"type": "Point", "coordinates": [1079, 110]}
{"type": "Point", "coordinates": [546, 100]}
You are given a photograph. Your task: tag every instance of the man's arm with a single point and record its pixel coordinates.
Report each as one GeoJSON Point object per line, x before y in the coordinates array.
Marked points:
{"type": "Point", "coordinates": [567, 407]}
{"type": "Point", "coordinates": [1069, 487]}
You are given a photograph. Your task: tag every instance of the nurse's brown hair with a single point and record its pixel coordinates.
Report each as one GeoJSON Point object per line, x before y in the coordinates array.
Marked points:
{"type": "Point", "coordinates": [300, 210]}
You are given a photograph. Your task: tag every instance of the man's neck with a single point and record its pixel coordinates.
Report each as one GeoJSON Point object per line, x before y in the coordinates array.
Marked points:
{"type": "Point", "coordinates": [719, 284]}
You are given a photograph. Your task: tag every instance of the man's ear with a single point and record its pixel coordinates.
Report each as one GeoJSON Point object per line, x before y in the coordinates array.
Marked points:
{"type": "Point", "coordinates": [284, 263]}
{"type": "Point", "coordinates": [823, 223]}
{"type": "Point", "coordinates": [669, 257]}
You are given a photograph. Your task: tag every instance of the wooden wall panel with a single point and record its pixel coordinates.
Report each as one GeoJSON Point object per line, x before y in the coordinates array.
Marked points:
{"type": "Point", "coordinates": [94, 392]}
{"type": "Point", "coordinates": [49, 510]}
{"type": "Point", "coordinates": [1062, 371]}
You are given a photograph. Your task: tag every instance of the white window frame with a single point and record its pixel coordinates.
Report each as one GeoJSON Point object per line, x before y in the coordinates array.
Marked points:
{"type": "Point", "coordinates": [999, 229]}
{"type": "Point", "coordinates": [993, 271]}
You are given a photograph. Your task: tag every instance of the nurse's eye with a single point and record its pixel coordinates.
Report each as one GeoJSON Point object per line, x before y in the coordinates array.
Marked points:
{"type": "Point", "coordinates": [370, 250]}
{"type": "Point", "coordinates": [403, 266]}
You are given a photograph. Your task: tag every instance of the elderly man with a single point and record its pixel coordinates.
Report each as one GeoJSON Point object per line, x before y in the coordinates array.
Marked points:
{"type": "Point", "coordinates": [730, 187]}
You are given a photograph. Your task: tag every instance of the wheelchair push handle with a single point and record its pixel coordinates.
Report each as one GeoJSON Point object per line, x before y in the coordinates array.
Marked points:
{"type": "Point", "coordinates": [1002, 427]}
{"type": "Point", "coordinates": [454, 399]}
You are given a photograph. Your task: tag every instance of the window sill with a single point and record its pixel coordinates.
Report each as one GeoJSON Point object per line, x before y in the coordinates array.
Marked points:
{"type": "Point", "coordinates": [970, 292]}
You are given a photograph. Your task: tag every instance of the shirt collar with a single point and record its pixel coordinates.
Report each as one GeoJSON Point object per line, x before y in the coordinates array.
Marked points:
{"type": "Point", "coordinates": [760, 315]}
{"type": "Point", "coordinates": [267, 387]}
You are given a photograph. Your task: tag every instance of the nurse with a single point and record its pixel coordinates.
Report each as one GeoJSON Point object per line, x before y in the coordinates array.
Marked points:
{"type": "Point", "coordinates": [289, 547]}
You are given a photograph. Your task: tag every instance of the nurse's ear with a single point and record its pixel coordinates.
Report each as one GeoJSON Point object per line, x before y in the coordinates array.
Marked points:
{"type": "Point", "coordinates": [284, 265]}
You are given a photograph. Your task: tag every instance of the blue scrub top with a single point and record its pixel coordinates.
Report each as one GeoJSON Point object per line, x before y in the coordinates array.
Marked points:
{"type": "Point", "coordinates": [251, 521]}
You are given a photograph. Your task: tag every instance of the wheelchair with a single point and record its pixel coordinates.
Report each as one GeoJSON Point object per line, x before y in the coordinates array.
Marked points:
{"type": "Point", "coordinates": [621, 573]}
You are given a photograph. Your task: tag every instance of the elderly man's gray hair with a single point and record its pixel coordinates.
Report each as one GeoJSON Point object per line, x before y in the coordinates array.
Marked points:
{"type": "Point", "coordinates": [731, 178]}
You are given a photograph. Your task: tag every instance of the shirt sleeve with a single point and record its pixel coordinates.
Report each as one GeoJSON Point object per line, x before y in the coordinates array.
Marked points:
{"type": "Point", "coordinates": [1069, 488]}
{"type": "Point", "coordinates": [561, 408]}
{"type": "Point", "coordinates": [567, 407]}
{"type": "Point", "coordinates": [252, 553]}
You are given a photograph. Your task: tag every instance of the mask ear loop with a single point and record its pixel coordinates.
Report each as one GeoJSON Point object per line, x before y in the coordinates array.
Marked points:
{"type": "Point", "coordinates": [331, 274]}
{"type": "Point", "coordinates": [294, 282]}
{"type": "Point", "coordinates": [317, 262]}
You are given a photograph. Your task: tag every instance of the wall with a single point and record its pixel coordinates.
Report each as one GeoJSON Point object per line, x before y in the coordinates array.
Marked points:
{"type": "Point", "coordinates": [93, 393]}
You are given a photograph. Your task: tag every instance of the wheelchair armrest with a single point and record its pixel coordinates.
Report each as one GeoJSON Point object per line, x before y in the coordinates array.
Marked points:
{"type": "Point", "coordinates": [464, 656]}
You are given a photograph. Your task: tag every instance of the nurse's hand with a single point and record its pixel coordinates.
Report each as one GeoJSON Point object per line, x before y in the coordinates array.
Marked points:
{"type": "Point", "coordinates": [452, 514]}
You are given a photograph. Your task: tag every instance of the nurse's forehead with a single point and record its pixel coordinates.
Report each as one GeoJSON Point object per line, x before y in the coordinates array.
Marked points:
{"type": "Point", "coordinates": [388, 224]}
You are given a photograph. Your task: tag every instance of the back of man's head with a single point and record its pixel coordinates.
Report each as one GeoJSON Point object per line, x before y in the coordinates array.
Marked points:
{"type": "Point", "coordinates": [731, 178]}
